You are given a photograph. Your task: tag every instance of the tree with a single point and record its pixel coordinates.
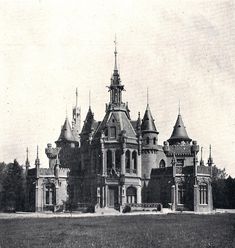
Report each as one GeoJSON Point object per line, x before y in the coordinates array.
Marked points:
{"type": "Point", "coordinates": [13, 187]}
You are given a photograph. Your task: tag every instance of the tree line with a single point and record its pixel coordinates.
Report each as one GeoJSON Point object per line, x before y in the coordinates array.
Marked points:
{"type": "Point", "coordinates": [13, 188]}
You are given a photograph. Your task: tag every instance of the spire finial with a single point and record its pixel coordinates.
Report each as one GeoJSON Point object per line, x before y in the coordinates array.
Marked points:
{"type": "Point", "coordinates": [76, 97]}
{"type": "Point", "coordinates": [27, 157]}
{"type": "Point", "coordinates": [66, 111]}
{"type": "Point", "coordinates": [201, 161]}
{"type": "Point", "coordinates": [115, 53]}
{"type": "Point", "coordinates": [179, 108]}
{"type": "Point", "coordinates": [37, 161]}
{"type": "Point", "coordinates": [210, 159]}
{"type": "Point", "coordinates": [89, 99]}
{"type": "Point", "coordinates": [147, 96]}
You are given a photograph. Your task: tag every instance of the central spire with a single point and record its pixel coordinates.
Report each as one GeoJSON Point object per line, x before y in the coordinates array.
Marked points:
{"type": "Point", "coordinates": [115, 54]}
{"type": "Point", "coordinates": [115, 87]}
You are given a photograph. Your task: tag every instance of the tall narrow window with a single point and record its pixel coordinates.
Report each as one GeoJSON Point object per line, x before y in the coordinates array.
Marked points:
{"type": "Point", "coordinates": [109, 161]}
{"type": "Point", "coordinates": [134, 159]}
{"type": "Point", "coordinates": [147, 140]}
{"type": "Point", "coordinates": [154, 140]}
{"type": "Point", "coordinates": [118, 160]}
{"type": "Point", "coordinates": [203, 192]}
{"type": "Point", "coordinates": [128, 162]}
{"type": "Point", "coordinates": [181, 194]}
{"type": "Point", "coordinates": [50, 194]}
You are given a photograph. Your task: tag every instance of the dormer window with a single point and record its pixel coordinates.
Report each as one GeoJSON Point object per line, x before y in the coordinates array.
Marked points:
{"type": "Point", "coordinates": [112, 132]}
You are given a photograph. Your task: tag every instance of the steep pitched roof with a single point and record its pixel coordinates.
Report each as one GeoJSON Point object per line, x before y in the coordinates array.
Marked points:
{"type": "Point", "coordinates": [89, 124]}
{"type": "Point", "coordinates": [179, 132]}
{"type": "Point", "coordinates": [66, 132]}
{"type": "Point", "coordinates": [148, 121]}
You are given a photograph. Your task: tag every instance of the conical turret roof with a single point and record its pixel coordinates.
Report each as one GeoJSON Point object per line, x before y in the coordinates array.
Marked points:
{"type": "Point", "coordinates": [179, 132]}
{"type": "Point", "coordinates": [148, 121]}
{"type": "Point", "coordinates": [66, 132]}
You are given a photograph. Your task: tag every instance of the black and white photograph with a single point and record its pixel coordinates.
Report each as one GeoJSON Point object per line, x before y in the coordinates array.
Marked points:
{"type": "Point", "coordinates": [117, 123]}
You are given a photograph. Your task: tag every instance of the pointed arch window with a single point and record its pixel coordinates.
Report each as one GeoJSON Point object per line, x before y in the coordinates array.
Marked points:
{"type": "Point", "coordinates": [162, 164]}
{"type": "Point", "coordinates": [134, 159]}
{"type": "Point", "coordinates": [50, 194]}
{"type": "Point", "coordinates": [128, 161]}
{"type": "Point", "coordinates": [203, 193]}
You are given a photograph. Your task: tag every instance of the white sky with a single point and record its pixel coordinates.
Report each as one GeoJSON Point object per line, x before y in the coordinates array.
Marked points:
{"type": "Point", "coordinates": [178, 49]}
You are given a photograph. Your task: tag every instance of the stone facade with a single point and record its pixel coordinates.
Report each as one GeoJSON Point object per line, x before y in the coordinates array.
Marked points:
{"type": "Point", "coordinates": [118, 161]}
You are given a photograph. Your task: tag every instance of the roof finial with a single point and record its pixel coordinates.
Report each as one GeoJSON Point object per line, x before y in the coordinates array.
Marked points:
{"type": "Point", "coordinates": [147, 96]}
{"type": "Point", "coordinates": [27, 157]}
{"type": "Point", "coordinates": [37, 161]}
{"type": "Point", "coordinates": [115, 53]}
{"type": "Point", "coordinates": [201, 161]}
{"type": "Point", "coordinates": [76, 97]}
{"type": "Point", "coordinates": [179, 107]}
{"type": "Point", "coordinates": [66, 111]}
{"type": "Point", "coordinates": [89, 99]}
{"type": "Point", "coordinates": [210, 159]}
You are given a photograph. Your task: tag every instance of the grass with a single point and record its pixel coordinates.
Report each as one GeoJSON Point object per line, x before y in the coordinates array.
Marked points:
{"type": "Point", "coordinates": [175, 230]}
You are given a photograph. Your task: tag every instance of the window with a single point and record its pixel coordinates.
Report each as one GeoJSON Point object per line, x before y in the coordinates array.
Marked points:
{"type": "Point", "coordinates": [109, 160]}
{"type": "Point", "coordinates": [128, 161]}
{"type": "Point", "coordinates": [134, 158]}
{"type": "Point", "coordinates": [181, 194]}
{"type": "Point", "coordinates": [131, 195]}
{"type": "Point", "coordinates": [112, 132]}
{"type": "Point", "coordinates": [203, 193]}
{"type": "Point", "coordinates": [154, 140]}
{"type": "Point", "coordinates": [118, 160]}
{"type": "Point", "coordinates": [50, 194]}
{"type": "Point", "coordinates": [147, 140]}
{"type": "Point", "coordinates": [162, 164]}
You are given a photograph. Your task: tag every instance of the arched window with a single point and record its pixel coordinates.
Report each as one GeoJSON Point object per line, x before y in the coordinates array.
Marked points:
{"type": "Point", "coordinates": [109, 160]}
{"type": "Point", "coordinates": [134, 159]}
{"type": "Point", "coordinates": [147, 140]}
{"type": "Point", "coordinates": [50, 194]}
{"type": "Point", "coordinates": [181, 194]}
{"type": "Point", "coordinates": [118, 160]}
{"type": "Point", "coordinates": [128, 161]}
{"type": "Point", "coordinates": [131, 195]}
{"type": "Point", "coordinates": [154, 140]}
{"type": "Point", "coordinates": [162, 164]}
{"type": "Point", "coordinates": [203, 193]}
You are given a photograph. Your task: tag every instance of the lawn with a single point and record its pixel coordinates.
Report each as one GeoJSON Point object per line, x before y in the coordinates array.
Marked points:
{"type": "Point", "coordinates": [174, 230]}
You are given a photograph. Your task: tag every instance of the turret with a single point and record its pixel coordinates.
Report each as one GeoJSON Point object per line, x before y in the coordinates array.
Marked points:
{"type": "Point", "coordinates": [149, 131]}
{"type": "Point", "coordinates": [66, 136]}
{"type": "Point", "coordinates": [179, 133]}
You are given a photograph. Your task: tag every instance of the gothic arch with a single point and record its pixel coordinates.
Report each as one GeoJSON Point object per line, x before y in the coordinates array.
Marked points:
{"type": "Point", "coordinates": [162, 164]}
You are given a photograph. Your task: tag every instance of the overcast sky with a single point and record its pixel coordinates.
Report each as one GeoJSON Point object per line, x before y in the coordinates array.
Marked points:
{"type": "Point", "coordinates": [178, 49]}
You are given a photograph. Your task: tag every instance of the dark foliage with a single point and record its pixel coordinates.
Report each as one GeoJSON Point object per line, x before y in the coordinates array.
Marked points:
{"type": "Point", "coordinates": [223, 189]}
{"type": "Point", "coordinates": [13, 193]}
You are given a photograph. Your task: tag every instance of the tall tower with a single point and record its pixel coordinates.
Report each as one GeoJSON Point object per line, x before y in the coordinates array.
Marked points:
{"type": "Point", "coordinates": [76, 122]}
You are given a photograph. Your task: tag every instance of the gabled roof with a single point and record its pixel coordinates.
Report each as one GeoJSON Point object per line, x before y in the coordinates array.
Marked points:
{"type": "Point", "coordinates": [179, 132]}
{"type": "Point", "coordinates": [66, 133]}
{"type": "Point", "coordinates": [121, 121]}
{"type": "Point", "coordinates": [148, 122]}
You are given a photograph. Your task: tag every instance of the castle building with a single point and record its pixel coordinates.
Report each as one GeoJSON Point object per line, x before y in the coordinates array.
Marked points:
{"type": "Point", "coordinates": [118, 161]}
